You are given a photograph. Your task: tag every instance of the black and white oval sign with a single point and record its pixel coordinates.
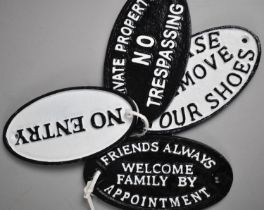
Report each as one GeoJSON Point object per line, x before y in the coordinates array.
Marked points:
{"type": "Point", "coordinates": [161, 172]}
{"type": "Point", "coordinates": [222, 62]}
{"type": "Point", "coordinates": [148, 51]}
{"type": "Point", "coordinates": [68, 125]}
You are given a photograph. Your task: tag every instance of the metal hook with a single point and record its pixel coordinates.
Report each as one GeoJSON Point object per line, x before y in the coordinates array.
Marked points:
{"type": "Point", "coordinates": [131, 114]}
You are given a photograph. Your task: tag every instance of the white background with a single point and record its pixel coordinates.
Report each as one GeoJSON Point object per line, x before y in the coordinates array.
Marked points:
{"type": "Point", "coordinates": [53, 44]}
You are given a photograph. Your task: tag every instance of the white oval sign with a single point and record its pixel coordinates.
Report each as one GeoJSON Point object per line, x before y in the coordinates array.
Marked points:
{"type": "Point", "coordinates": [69, 125]}
{"type": "Point", "coordinates": [222, 61]}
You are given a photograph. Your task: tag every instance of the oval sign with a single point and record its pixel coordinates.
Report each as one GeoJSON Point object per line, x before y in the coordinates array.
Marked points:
{"type": "Point", "coordinates": [222, 62]}
{"type": "Point", "coordinates": [161, 172]}
{"type": "Point", "coordinates": [68, 125]}
{"type": "Point", "coordinates": [147, 52]}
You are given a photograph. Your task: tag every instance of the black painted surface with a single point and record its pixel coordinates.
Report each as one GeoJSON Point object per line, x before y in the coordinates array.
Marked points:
{"type": "Point", "coordinates": [212, 170]}
{"type": "Point", "coordinates": [136, 79]}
